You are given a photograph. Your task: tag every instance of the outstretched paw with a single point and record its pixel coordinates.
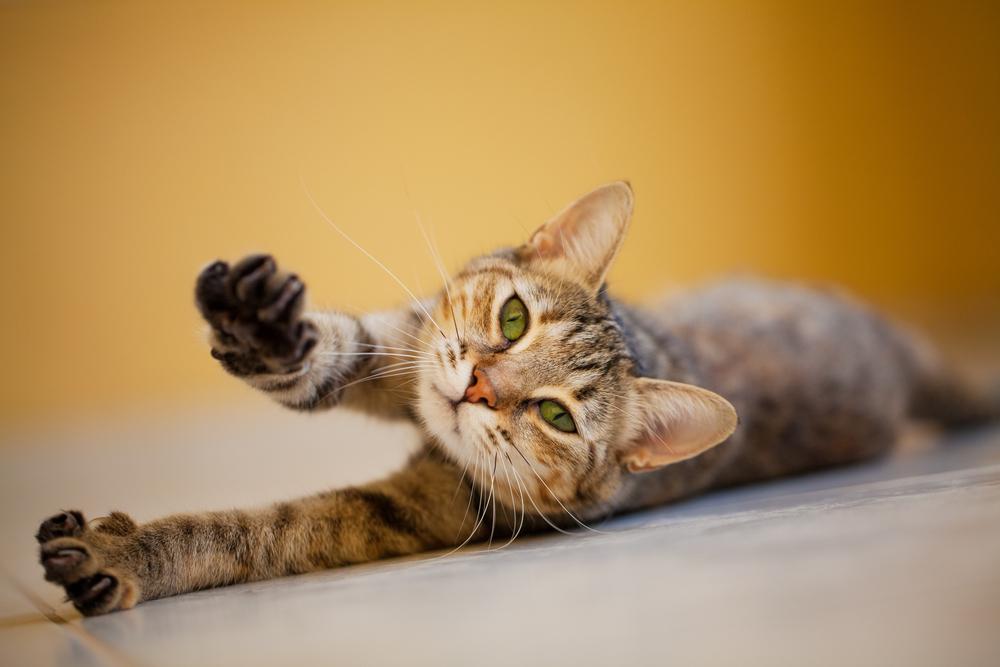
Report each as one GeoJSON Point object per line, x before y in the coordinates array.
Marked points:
{"type": "Point", "coordinates": [255, 311]}
{"type": "Point", "coordinates": [64, 524]}
{"type": "Point", "coordinates": [71, 560]}
{"type": "Point", "coordinates": [99, 594]}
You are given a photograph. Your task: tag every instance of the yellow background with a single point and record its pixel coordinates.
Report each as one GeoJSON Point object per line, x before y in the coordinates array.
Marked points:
{"type": "Point", "coordinates": [857, 142]}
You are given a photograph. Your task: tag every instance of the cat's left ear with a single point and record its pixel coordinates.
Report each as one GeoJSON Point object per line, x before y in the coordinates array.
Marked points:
{"type": "Point", "coordinates": [677, 421]}
{"type": "Point", "coordinates": [581, 242]}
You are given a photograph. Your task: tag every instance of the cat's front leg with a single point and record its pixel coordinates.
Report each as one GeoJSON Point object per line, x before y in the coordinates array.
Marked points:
{"type": "Point", "coordinates": [302, 360]}
{"type": "Point", "coordinates": [113, 563]}
{"type": "Point", "coordinates": [85, 560]}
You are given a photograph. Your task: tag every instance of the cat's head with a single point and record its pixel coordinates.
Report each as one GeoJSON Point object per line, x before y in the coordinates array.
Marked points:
{"type": "Point", "coordinates": [533, 388]}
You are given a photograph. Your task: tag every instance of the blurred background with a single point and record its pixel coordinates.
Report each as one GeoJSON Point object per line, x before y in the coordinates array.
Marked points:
{"type": "Point", "coordinates": [853, 142]}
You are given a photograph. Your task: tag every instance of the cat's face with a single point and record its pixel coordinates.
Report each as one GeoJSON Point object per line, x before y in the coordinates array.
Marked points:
{"type": "Point", "coordinates": [532, 382]}
{"type": "Point", "coordinates": [531, 388]}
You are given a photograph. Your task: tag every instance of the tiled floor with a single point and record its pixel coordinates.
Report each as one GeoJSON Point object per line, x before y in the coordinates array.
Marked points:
{"type": "Point", "coordinates": [890, 563]}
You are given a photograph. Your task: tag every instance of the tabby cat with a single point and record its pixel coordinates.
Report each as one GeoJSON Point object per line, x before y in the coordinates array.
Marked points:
{"type": "Point", "coordinates": [544, 404]}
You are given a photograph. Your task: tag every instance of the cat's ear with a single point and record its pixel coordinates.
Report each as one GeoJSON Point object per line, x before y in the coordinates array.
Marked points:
{"type": "Point", "coordinates": [677, 421]}
{"type": "Point", "coordinates": [581, 242]}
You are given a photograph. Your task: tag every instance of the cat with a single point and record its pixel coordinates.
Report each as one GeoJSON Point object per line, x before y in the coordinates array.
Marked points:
{"type": "Point", "coordinates": [544, 405]}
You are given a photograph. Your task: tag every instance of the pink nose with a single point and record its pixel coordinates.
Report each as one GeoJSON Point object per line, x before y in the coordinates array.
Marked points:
{"type": "Point", "coordinates": [480, 389]}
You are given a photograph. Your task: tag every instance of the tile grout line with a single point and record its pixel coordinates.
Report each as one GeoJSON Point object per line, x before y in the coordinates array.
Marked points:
{"type": "Point", "coordinates": [105, 651]}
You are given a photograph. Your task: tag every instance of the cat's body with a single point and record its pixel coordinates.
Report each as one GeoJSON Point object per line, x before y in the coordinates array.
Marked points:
{"type": "Point", "coordinates": [544, 403]}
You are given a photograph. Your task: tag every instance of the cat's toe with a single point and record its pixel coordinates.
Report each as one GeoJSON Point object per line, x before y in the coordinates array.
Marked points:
{"type": "Point", "coordinates": [211, 293]}
{"type": "Point", "coordinates": [283, 301]}
{"type": "Point", "coordinates": [248, 279]}
{"type": "Point", "coordinates": [306, 337]}
{"type": "Point", "coordinates": [66, 560]}
{"type": "Point", "coordinates": [64, 524]}
{"type": "Point", "coordinates": [99, 594]}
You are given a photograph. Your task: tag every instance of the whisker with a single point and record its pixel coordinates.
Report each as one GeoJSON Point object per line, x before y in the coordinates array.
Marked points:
{"type": "Point", "coordinates": [398, 355]}
{"type": "Point", "coordinates": [367, 254]}
{"type": "Point", "coordinates": [521, 490]}
{"type": "Point", "coordinates": [378, 376]}
{"type": "Point", "coordinates": [379, 346]}
{"type": "Point", "coordinates": [510, 487]}
{"type": "Point", "coordinates": [382, 321]}
{"type": "Point", "coordinates": [493, 477]}
{"type": "Point", "coordinates": [468, 504]}
{"type": "Point", "coordinates": [475, 528]}
{"type": "Point", "coordinates": [438, 264]}
{"type": "Point", "coordinates": [552, 493]}
{"type": "Point", "coordinates": [541, 513]}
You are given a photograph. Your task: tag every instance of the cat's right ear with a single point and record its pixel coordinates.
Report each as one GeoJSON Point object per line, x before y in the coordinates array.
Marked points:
{"type": "Point", "coordinates": [581, 241]}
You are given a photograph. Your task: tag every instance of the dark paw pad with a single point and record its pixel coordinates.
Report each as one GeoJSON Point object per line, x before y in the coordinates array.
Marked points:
{"type": "Point", "coordinates": [64, 561]}
{"type": "Point", "coordinates": [248, 279]}
{"type": "Point", "coordinates": [64, 524]}
{"type": "Point", "coordinates": [94, 595]}
{"type": "Point", "coordinates": [255, 310]}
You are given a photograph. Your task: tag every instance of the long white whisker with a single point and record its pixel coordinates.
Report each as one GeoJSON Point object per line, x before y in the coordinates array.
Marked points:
{"type": "Point", "coordinates": [397, 355]}
{"type": "Point", "coordinates": [407, 364]}
{"type": "Point", "coordinates": [380, 318]}
{"type": "Point", "coordinates": [520, 490]}
{"type": "Point", "coordinates": [542, 514]}
{"type": "Point", "coordinates": [370, 256]}
{"type": "Point", "coordinates": [379, 346]}
{"type": "Point", "coordinates": [493, 477]}
{"type": "Point", "coordinates": [552, 493]}
{"type": "Point", "coordinates": [510, 487]}
{"type": "Point", "coordinates": [480, 516]}
{"type": "Point", "coordinates": [438, 264]}
{"type": "Point", "coordinates": [380, 376]}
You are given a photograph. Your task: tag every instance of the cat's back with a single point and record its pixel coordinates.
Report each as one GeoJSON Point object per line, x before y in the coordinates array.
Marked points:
{"type": "Point", "coordinates": [813, 373]}
{"type": "Point", "coordinates": [751, 329]}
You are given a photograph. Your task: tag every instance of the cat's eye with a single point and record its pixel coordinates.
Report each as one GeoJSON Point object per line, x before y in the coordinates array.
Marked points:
{"type": "Point", "coordinates": [557, 415]}
{"type": "Point", "coordinates": [513, 319]}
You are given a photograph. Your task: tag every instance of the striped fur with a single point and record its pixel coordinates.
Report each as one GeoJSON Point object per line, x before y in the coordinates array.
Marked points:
{"type": "Point", "coordinates": [815, 378]}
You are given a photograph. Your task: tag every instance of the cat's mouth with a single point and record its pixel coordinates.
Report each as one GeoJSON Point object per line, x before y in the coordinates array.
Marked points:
{"type": "Point", "coordinates": [451, 403]}
{"type": "Point", "coordinates": [447, 399]}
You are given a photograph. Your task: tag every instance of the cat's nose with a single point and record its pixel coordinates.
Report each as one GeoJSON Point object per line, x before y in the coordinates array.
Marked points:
{"type": "Point", "coordinates": [480, 389]}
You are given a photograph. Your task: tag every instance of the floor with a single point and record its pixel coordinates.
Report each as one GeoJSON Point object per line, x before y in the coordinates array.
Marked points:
{"type": "Point", "coordinates": [895, 562]}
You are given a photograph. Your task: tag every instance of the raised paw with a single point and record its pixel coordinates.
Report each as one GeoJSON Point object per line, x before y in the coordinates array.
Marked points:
{"type": "Point", "coordinates": [70, 554]}
{"type": "Point", "coordinates": [255, 311]}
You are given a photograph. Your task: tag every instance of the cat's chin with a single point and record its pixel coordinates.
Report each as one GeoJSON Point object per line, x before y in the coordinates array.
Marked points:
{"type": "Point", "coordinates": [453, 424]}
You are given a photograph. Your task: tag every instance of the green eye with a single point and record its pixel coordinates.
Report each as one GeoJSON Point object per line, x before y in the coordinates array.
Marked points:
{"type": "Point", "coordinates": [513, 319]}
{"type": "Point", "coordinates": [557, 415]}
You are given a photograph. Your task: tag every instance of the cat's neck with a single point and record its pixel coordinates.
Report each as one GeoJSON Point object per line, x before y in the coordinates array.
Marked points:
{"type": "Point", "coordinates": [656, 351]}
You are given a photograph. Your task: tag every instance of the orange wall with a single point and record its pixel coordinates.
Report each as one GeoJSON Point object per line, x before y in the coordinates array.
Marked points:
{"type": "Point", "coordinates": [850, 141]}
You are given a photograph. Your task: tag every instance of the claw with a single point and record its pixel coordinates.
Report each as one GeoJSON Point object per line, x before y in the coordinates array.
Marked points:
{"type": "Point", "coordinates": [94, 595]}
{"type": "Point", "coordinates": [248, 278]}
{"type": "Point", "coordinates": [65, 560]}
{"type": "Point", "coordinates": [285, 305]}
